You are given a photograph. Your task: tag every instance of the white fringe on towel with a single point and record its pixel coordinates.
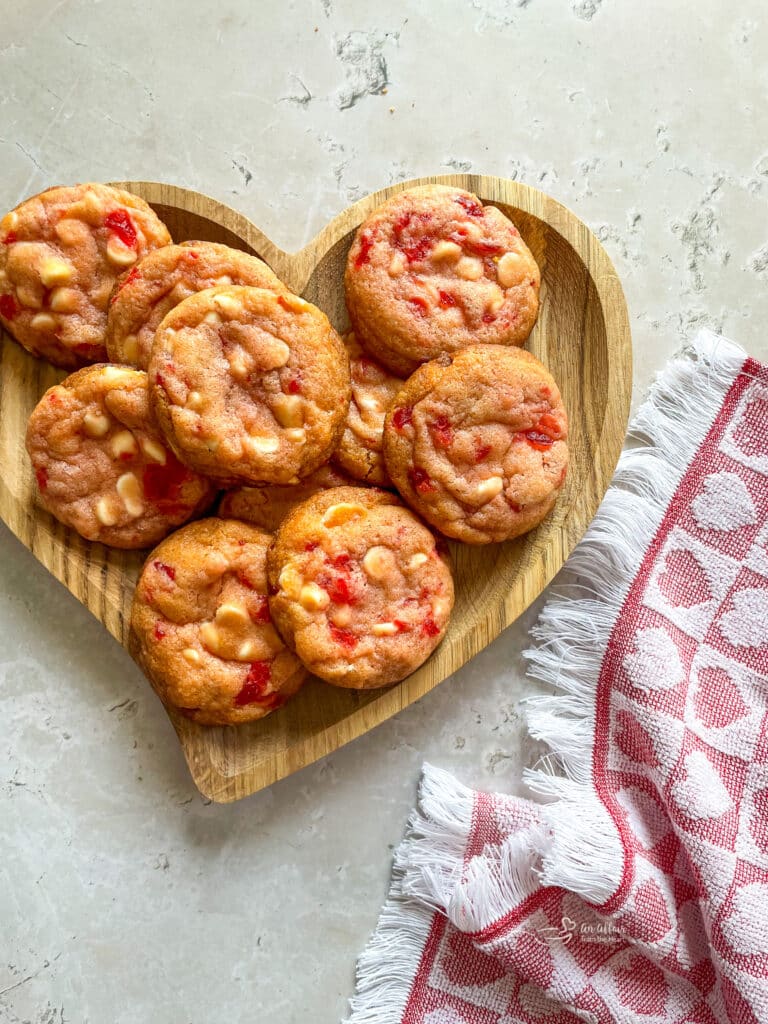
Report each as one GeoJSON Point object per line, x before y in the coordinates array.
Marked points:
{"type": "Point", "coordinates": [576, 846]}
{"type": "Point", "coordinates": [581, 850]}
{"type": "Point", "coordinates": [433, 847]}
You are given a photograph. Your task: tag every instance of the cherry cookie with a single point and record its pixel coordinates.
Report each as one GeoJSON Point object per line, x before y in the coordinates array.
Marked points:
{"type": "Point", "coordinates": [373, 391]}
{"type": "Point", "coordinates": [101, 464]}
{"type": "Point", "coordinates": [267, 507]}
{"type": "Point", "coordinates": [249, 386]}
{"type": "Point", "coordinates": [476, 443]}
{"type": "Point", "coordinates": [60, 254]}
{"type": "Point", "coordinates": [433, 270]}
{"type": "Point", "coordinates": [359, 589]}
{"type": "Point", "coordinates": [201, 629]}
{"type": "Point", "coordinates": [162, 279]}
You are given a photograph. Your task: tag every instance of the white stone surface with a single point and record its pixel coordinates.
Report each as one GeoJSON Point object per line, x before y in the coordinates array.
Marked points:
{"type": "Point", "coordinates": [125, 898]}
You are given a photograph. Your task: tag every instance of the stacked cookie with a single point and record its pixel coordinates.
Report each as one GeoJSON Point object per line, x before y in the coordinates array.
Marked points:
{"type": "Point", "coordinates": [443, 288]}
{"type": "Point", "coordinates": [220, 377]}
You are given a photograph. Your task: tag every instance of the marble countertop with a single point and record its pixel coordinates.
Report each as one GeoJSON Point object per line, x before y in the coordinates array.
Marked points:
{"type": "Point", "coordinates": [124, 896]}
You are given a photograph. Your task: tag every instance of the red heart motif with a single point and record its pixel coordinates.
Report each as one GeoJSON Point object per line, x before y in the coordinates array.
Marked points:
{"type": "Point", "coordinates": [683, 582]}
{"type": "Point", "coordinates": [464, 964]}
{"type": "Point", "coordinates": [737, 1006]}
{"type": "Point", "coordinates": [717, 701]}
{"type": "Point", "coordinates": [700, 1014]}
{"type": "Point", "coordinates": [642, 988]}
{"type": "Point", "coordinates": [750, 435]}
{"type": "Point", "coordinates": [633, 741]}
{"type": "Point", "coordinates": [758, 823]}
{"type": "Point", "coordinates": [650, 920]}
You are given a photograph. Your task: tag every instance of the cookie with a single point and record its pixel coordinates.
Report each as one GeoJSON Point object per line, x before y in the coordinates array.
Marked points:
{"type": "Point", "coordinates": [249, 386]}
{"type": "Point", "coordinates": [201, 629]}
{"type": "Point", "coordinates": [373, 390]}
{"type": "Point", "coordinates": [161, 280]}
{"type": "Point", "coordinates": [60, 254]}
{"type": "Point", "coordinates": [359, 589]}
{"type": "Point", "coordinates": [476, 443]}
{"type": "Point", "coordinates": [432, 271]}
{"type": "Point", "coordinates": [102, 465]}
{"type": "Point", "coordinates": [267, 507]}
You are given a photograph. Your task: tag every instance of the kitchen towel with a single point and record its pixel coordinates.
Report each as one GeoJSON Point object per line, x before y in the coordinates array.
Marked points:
{"type": "Point", "coordinates": [633, 886]}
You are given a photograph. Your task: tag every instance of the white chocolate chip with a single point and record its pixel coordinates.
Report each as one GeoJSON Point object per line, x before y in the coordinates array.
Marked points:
{"type": "Point", "coordinates": [288, 410]}
{"type": "Point", "coordinates": [129, 489]}
{"type": "Point", "coordinates": [194, 401]}
{"type": "Point", "coordinates": [231, 615]}
{"type": "Point", "coordinates": [445, 250]}
{"type": "Point", "coordinates": [290, 582]}
{"type": "Point", "coordinates": [418, 559]}
{"type": "Point", "coordinates": [105, 512]}
{"type": "Point", "coordinates": [54, 271]}
{"type": "Point", "coordinates": [228, 304]}
{"type": "Point", "coordinates": [440, 608]}
{"type": "Point", "coordinates": [296, 435]}
{"type": "Point", "coordinates": [510, 269]}
{"type": "Point", "coordinates": [294, 303]}
{"type": "Point", "coordinates": [369, 402]}
{"type": "Point", "coordinates": [214, 564]}
{"type": "Point", "coordinates": [115, 374]}
{"type": "Point", "coordinates": [469, 268]}
{"type": "Point", "coordinates": [224, 279]}
{"type": "Point", "coordinates": [396, 265]}
{"type": "Point", "coordinates": [93, 205]}
{"type": "Point", "coordinates": [247, 651]}
{"type": "Point", "coordinates": [123, 443]}
{"type": "Point", "coordinates": [119, 253]}
{"type": "Point", "coordinates": [153, 450]}
{"type": "Point", "coordinates": [274, 354]}
{"type": "Point", "coordinates": [95, 424]}
{"type": "Point", "coordinates": [473, 230]}
{"type": "Point", "coordinates": [488, 489]}
{"type": "Point", "coordinates": [313, 598]}
{"type": "Point", "coordinates": [238, 366]}
{"type": "Point", "coordinates": [378, 562]}
{"type": "Point", "coordinates": [342, 615]}
{"type": "Point", "coordinates": [261, 445]}
{"type": "Point", "coordinates": [384, 629]}
{"type": "Point", "coordinates": [29, 297]}
{"type": "Point", "coordinates": [343, 512]}
{"type": "Point", "coordinates": [210, 637]}
{"type": "Point", "coordinates": [495, 302]}
{"type": "Point", "coordinates": [64, 300]}
{"type": "Point", "coordinates": [131, 348]}
{"type": "Point", "coordinates": [43, 322]}
{"type": "Point", "coordinates": [191, 655]}
{"type": "Point", "coordinates": [212, 317]}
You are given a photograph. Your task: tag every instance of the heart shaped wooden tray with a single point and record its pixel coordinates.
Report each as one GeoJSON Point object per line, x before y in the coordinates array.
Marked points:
{"type": "Point", "coordinates": [582, 336]}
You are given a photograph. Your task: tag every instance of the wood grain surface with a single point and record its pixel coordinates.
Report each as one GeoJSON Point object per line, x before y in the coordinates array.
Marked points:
{"type": "Point", "coordinates": [583, 337]}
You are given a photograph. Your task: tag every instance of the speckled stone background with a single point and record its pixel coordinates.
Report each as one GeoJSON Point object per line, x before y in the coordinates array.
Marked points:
{"type": "Point", "coordinates": [124, 897]}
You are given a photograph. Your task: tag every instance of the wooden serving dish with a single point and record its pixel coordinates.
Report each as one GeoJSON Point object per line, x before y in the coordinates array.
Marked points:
{"type": "Point", "coordinates": [582, 336]}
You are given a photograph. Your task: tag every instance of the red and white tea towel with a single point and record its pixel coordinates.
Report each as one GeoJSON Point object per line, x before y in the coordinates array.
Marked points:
{"type": "Point", "coordinates": [634, 886]}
